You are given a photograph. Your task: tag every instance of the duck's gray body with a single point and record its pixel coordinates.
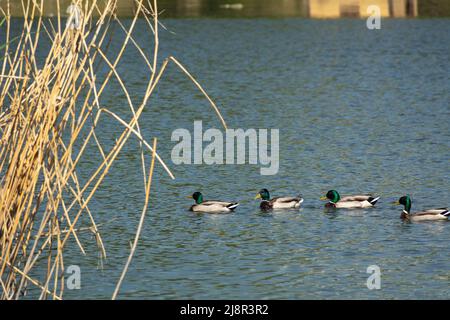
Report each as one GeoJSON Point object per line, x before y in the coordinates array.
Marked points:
{"type": "Point", "coordinates": [357, 201]}
{"type": "Point", "coordinates": [286, 202]}
{"type": "Point", "coordinates": [214, 206]}
{"type": "Point", "coordinates": [426, 215]}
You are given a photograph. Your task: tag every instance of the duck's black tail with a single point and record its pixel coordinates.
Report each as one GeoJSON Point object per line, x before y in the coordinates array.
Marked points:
{"type": "Point", "coordinates": [446, 213]}
{"type": "Point", "coordinates": [373, 200]}
{"type": "Point", "coordinates": [232, 206]}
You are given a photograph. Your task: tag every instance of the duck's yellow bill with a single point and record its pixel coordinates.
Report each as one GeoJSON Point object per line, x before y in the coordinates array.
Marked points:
{"type": "Point", "coordinates": [323, 198]}
{"type": "Point", "coordinates": [258, 196]}
{"type": "Point", "coordinates": [396, 202]}
{"type": "Point", "coordinates": [189, 197]}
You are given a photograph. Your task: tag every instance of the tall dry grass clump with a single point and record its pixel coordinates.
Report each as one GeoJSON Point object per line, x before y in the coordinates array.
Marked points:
{"type": "Point", "coordinates": [45, 105]}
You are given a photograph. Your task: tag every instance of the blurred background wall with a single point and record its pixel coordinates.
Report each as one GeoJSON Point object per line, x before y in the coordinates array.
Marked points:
{"type": "Point", "coordinates": [266, 8]}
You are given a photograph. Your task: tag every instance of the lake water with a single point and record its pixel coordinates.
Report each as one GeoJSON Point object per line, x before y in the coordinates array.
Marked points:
{"type": "Point", "coordinates": [358, 111]}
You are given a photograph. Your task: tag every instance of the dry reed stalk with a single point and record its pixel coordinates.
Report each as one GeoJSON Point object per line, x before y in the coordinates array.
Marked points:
{"type": "Point", "coordinates": [45, 106]}
{"type": "Point", "coordinates": [141, 223]}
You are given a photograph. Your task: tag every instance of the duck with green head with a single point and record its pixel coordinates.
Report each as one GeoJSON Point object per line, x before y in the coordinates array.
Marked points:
{"type": "Point", "coordinates": [430, 214]}
{"type": "Point", "coordinates": [350, 201]}
{"type": "Point", "coordinates": [278, 202]}
{"type": "Point", "coordinates": [211, 206]}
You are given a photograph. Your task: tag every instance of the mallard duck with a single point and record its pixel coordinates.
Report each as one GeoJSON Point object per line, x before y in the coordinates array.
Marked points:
{"type": "Point", "coordinates": [278, 202]}
{"type": "Point", "coordinates": [349, 202]}
{"type": "Point", "coordinates": [430, 214]}
{"type": "Point", "coordinates": [211, 206]}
